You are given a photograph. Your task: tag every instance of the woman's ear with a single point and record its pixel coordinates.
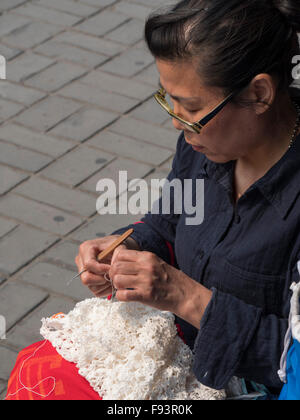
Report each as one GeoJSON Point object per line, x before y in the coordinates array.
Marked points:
{"type": "Point", "coordinates": [262, 92]}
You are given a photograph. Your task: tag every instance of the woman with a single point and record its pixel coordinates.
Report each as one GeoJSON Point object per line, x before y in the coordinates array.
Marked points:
{"type": "Point", "coordinates": [226, 66]}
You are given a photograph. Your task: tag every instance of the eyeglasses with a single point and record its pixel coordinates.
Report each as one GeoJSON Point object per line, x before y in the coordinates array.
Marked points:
{"type": "Point", "coordinates": [195, 127]}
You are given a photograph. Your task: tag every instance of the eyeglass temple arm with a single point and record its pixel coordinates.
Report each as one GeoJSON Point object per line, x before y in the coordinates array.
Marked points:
{"type": "Point", "coordinates": [216, 110]}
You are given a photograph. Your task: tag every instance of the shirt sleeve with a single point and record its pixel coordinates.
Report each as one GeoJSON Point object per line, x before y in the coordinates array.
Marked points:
{"type": "Point", "coordinates": [156, 232]}
{"type": "Point", "coordinates": [238, 339]}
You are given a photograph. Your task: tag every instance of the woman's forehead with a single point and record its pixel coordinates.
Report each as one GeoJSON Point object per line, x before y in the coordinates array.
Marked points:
{"type": "Point", "coordinates": [181, 80]}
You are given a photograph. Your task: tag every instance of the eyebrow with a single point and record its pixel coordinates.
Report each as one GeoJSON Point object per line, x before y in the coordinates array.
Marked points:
{"type": "Point", "coordinates": [180, 98]}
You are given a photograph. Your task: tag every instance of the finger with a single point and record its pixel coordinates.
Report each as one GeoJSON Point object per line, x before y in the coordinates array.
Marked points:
{"type": "Point", "coordinates": [101, 292]}
{"type": "Point", "coordinates": [116, 252]}
{"type": "Point", "coordinates": [89, 255]}
{"type": "Point", "coordinates": [124, 267]}
{"type": "Point", "coordinates": [121, 281]}
{"type": "Point", "coordinates": [125, 295]}
{"type": "Point", "coordinates": [126, 255]}
{"type": "Point", "coordinates": [90, 279]}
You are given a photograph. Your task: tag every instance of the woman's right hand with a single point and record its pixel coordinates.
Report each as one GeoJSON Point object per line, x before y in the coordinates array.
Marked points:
{"type": "Point", "coordinates": [86, 259]}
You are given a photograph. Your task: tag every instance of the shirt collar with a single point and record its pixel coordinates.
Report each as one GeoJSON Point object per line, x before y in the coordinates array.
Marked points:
{"type": "Point", "coordinates": [280, 185]}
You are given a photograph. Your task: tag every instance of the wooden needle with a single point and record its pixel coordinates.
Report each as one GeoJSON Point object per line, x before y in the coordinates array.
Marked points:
{"type": "Point", "coordinates": [108, 250]}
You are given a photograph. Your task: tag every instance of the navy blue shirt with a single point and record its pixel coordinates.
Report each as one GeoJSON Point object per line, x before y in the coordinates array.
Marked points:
{"type": "Point", "coordinates": [246, 253]}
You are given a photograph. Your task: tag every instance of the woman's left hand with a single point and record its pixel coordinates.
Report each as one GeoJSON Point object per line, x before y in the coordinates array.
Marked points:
{"type": "Point", "coordinates": [142, 276]}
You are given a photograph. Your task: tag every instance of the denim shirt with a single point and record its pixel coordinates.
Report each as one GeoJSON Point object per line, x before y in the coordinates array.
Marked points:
{"type": "Point", "coordinates": [245, 252]}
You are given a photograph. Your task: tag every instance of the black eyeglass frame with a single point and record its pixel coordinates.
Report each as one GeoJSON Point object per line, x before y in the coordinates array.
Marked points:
{"type": "Point", "coordinates": [195, 127]}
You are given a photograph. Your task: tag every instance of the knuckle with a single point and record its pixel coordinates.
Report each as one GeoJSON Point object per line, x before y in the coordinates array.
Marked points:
{"type": "Point", "coordinates": [117, 267]}
{"type": "Point", "coordinates": [82, 246]}
{"type": "Point", "coordinates": [150, 257]}
{"type": "Point", "coordinates": [85, 279]}
{"type": "Point", "coordinates": [116, 280]}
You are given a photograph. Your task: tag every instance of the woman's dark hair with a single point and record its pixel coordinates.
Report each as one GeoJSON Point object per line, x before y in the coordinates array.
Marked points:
{"type": "Point", "coordinates": [233, 40]}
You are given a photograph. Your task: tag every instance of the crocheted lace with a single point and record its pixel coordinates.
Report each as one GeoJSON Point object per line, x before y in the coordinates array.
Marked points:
{"type": "Point", "coordinates": [127, 351]}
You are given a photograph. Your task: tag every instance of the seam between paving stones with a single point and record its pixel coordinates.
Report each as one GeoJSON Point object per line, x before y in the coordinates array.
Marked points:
{"type": "Point", "coordinates": [55, 235]}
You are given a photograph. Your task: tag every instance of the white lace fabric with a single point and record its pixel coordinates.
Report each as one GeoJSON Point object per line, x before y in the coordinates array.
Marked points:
{"type": "Point", "coordinates": [127, 351]}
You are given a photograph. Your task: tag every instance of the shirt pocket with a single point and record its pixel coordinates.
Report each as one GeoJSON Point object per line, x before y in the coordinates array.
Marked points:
{"type": "Point", "coordinates": [260, 290]}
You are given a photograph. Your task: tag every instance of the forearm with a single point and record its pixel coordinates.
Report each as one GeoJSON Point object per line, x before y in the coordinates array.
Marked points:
{"type": "Point", "coordinates": [191, 299]}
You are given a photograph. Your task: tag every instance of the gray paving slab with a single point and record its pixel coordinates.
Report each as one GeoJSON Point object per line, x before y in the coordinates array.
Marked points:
{"type": "Point", "coordinates": [84, 124]}
{"type": "Point", "coordinates": [77, 166]}
{"type": "Point", "coordinates": [8, 52]}
{"type": "Point", "coordinates": [129, 63]}
{"type": "Point", "coordinates": [56, 76]}
{"type": "Point", "coordinates": [104, 3]}
{"type": "Point", "coordinates": [134, 170]}
{"type": "Point", "coordinates": [21, 158]}
{"type": "Point", "coordinates": [10, 4]}
{"type": "Point", "coordinates": [138, 11]}
{"type": "Point", "coordinates": [3, 385]}
{"type": "Point", "coordinates": [47, 192]}
{"type": "Point", "coordinates": [9, 178]}
{"type": "Point", "coordinates": [149, 75]}
{"type": "Point", "coordinates": [154, 3]}
{"type": "Point", "coordinates": [27, 331]}
{"type": "Point", "coordinates": [129, 33]}
{"type": "Point", "coordinates": [31, 35]}
{"type": "Point", "coordinates": [145, 131]}
{"type": "Point", "coordinates": [122, 145]}
{"type": "Point", "coordinates": [97, 96]}
{"type": "Point", "coordinates": [48, 113]}
{"type": "Point", "coordinates": [151, 112]}
{"type": "Point", "coordinates": [10, 22]}
{"type": "Point", "coordinates": [39, 142]}
{"type": "Point", "coordinates": [48, 15]}
{"type": "Point", "coordinates": [69, 6]}
{"type": "Point", "coordinates": [9, 109]}
{"type": "Point", "coordinates": [17, 300]}
{"type": "Point", "coordinates": [62, 51]}
{"type": "Point", "coordinates": [3, 278]}
{"type": "Point", "coordinates": [17, 93]}
{"type": "Point", "coordinates": [8, 358]}
{"type": "Point", "coordinates": [63, 254]}
{"type": "Point", "coordinates": [26, 65]}
{"type": "Point", "coordinates": [55, 279]}
{"type": "Point", "coordinates": [102, 23]}
{"type": "Point", "coordinates": [6, 226]}
{"type": "Point", "coordinates": [21, 246]}
{"type": "Point", "coordinates": [103, 225]}
{"type": "Point", "coordinates": [117, 84]}
{"type": "Point", "coordinates": [42, 216]}
{"type": "Point", "coordinates": [90, 43]}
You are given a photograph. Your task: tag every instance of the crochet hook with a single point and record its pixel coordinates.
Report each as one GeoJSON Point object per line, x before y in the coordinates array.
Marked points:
{"type": "Point", "coordinates": [108, 250]}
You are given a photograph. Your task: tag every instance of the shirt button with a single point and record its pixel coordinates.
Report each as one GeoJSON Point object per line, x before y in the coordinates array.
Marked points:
{"type": "Point", "coordinates": [201, 254]}
{"type": "Point", "coordinates": [237, 219]}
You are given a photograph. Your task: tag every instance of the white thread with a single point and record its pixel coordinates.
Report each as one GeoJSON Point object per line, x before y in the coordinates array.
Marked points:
{"type": "Point", "coordinates": [109, 280]}
{"type": "Point", "coordinates": [43, 380]}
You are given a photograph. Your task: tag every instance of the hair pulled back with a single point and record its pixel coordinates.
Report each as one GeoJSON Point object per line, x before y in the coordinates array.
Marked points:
{"type": "Point", "coordinates": [231, 40]}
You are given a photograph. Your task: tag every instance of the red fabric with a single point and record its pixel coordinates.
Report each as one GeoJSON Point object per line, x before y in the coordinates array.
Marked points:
{"type": "Point", "coordinates": [47, 376]}
{"type": "Point", "coordinates": [171, 251]}
{"type": "Point", "coordinates": [46, 362]}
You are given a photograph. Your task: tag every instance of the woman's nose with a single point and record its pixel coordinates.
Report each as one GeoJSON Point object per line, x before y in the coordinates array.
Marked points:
{"type": "Point", "coordinates": [177, 124]}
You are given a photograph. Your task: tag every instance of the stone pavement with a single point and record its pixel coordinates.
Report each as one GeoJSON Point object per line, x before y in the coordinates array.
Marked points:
{"type": "Point", "coordinates": [76, 107]}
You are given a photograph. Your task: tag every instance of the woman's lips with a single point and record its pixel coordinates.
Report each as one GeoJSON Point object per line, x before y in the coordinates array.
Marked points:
{"type": "Point", "coordinates": [198, 148]}
{"type": "Point", "coordinates": [195, 147]}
